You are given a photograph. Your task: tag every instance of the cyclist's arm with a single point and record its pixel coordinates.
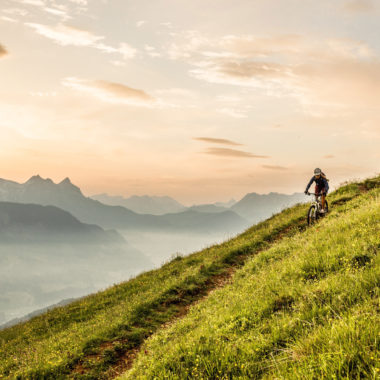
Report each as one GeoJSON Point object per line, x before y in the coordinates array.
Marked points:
{"type": "Point", "coordinates": [309, 184]}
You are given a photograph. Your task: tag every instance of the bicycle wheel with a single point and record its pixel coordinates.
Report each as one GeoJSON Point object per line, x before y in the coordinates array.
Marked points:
{"type": "Point", "coordinates": [326, 206]}
{"type": "Point", "coordinates": [312, 215]}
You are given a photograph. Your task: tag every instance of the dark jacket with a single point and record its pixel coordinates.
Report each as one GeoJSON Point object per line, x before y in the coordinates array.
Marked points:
{"type": "Point", "coordinates": [321, 182]}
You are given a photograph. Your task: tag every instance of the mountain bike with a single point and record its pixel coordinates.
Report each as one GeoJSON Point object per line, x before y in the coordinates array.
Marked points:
{"type": "Point", "coordinates": [314, 212]}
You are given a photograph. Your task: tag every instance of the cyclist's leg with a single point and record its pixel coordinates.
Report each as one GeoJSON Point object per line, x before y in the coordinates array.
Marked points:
{"type": "Point", "coordinates": [318, 191]}
{"type": "Point", "coordinates": [323, 199]}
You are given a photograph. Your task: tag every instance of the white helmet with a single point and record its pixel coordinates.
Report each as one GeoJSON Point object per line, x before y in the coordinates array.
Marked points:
{"type": "Point", "coordinates": [317, 171]}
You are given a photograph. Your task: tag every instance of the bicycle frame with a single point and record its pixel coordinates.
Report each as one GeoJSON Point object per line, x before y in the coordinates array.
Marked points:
{"type": "Point", "coordinates": [314, 212]}
{"type": "Point", "coordinates": [317, 201]}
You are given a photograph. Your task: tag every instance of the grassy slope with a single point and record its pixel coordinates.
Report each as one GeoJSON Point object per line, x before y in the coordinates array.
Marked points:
{"type": "Point", "coordinates": [89, 335]}
{"type": "Point", "coordinates": [62, 337]}
{"type": "Point", "coordinates": [308, 307]}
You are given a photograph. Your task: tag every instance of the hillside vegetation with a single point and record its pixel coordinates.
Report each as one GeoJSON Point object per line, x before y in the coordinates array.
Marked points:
{"type": "Point", "coordinates": [307, 308]}
{"type": "Point", "coordinates": [290, 302]}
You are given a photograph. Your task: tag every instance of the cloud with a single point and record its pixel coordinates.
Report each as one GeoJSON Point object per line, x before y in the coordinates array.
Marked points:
{"type": "Point", "coordinates": [235, 60]}
{"type": "Point", "coordinates": [216, 141]}
{"type": "Point", "coordinates": [57, 12]}
{"type": "Point", "coordinates": [8, 19]}
{"type": "Point", "coordinates": [355, 6]}
{"type": "Point", "coordinates": [16, 11]}
{"type": "Point", "coordinates": [42, 93]}
{"type": "Point", "coordinates": [347, 83]}
{"type": "Point", "coordinates": [80, 2]}
{"type": "Point", "coordinates": [274, 167]}
{"type": "Point", "coordinates": [280, 69]}
{"type": "Point", "coordinates": [323, 75]}
{"type": "Point", "coordinates": [3, 51]}
{"type": "Point", "coordinates": [177, 92]}
{"type": "Point", "coordinates": [118, 63]}
{"type": "Point", "coordinates": [37, 3]}
{"type": "Point", "coordinates": [126, 51]}
{"type": "Point", "coordinates": [122, 91]}
{"type": "Point", "coordinates": [232, 112]}
{"type": "Point", "coordinates": [230, 98]}
{"type": "Point", "coordinates": [233, 105]}
{"type": "Point", "coordinates": [66, 35]}
{"type": "Point", "coordinates": [151, 51]}
{"type": "Point", "coordinates": [52, 7]}
{"type": "Point", "coordinates": [226, 152]}
{"type": "Point", "coordinates": [70, 36]}
{"type": "Point", "coordinates": [110, 91]}
{"type": "Point", "coordinates": [199, 49]}
{"type": "Point", "coordinates": [328, 156]}
{"type": "Point", "coordinates": [167, 24]}
{"type": "Point", "coordinates": [246, 70]}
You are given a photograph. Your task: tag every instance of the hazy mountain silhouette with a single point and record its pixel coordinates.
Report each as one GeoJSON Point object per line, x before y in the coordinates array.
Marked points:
{"type": "Point", "coordinates": [155, 205]}
{"type": "Point", "coordinates": [46, 255]}
{"type": "Point", "coordinates": [45, 224]}
{"type": "Point", "coordinates": [256, 207]}
{"type": "Point", "coordinates": [69, 197]}
{"type": "Point", "coordinates": [35, 274]}
{"type": "Point", "coordinates": [228, 204]}
{"type": "Point", "coordinates": [34, 313]}
{"type": "Point", "coordinates": [144, 204]}
{"type": "Point", "coordinates": [211, 208]}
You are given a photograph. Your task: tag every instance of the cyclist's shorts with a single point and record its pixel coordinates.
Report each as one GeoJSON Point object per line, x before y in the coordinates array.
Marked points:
{"type": "Point", "coordinates": [319, 189]}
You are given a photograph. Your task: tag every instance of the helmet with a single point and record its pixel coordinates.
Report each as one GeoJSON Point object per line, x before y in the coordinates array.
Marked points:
{"type": "Point", "coordinates": [317, 171]}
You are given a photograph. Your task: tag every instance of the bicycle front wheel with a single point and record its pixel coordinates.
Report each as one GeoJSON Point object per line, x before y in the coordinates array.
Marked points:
{"type": "Point", "coordinates": [312, 215]}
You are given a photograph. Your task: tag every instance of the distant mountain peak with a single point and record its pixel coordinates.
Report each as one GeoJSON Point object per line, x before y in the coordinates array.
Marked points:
{"type": "Point", "coordinates": [67, 184]}
{"type": "Point", "coordinates": [66, 181]}
{"type": "Point", "coordinates": [35, 178]}
{"type": "Point", "coordinates": [38, 179]}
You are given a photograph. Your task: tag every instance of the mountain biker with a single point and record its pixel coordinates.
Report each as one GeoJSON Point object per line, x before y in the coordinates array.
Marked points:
{"type": "Point", "coordinates": [321, 186]}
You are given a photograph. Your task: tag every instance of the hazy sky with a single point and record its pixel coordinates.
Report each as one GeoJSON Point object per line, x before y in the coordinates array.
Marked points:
{"type": "Point", "coordinates": [201, 100]}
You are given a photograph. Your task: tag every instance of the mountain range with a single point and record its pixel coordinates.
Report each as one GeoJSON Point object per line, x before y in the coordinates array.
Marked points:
{"type": "Point", "coordinates": [158, 205]}
{"type": "Point", "coordinates": [69, 197]}
{"type": "Point", "coordinates": [253, 207]}
{"type": "Point", "coordinates": [256, 207]}
{"type": "Point", "coordinates": [144, 204]}
{"type": "Point", "coordinates": [147, 212]}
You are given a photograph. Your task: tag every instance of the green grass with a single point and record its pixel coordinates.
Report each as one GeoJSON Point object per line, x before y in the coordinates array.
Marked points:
{"type": "Point", "coordinates": [306, 308]}
{"type": "Point", "coordinates": [86, 338]}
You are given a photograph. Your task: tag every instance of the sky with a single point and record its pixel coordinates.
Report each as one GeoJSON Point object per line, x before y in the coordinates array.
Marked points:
{"type": "Point", "coordinates": [201, 100]}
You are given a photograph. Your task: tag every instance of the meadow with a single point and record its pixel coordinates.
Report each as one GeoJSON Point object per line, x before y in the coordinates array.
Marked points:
{"type": "Point", "coordinates": [306, 308]}
{"type": "Point", "coordinates": [279, 300]}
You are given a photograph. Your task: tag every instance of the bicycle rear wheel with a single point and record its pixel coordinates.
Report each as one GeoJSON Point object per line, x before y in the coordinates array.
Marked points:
{"type": "Point", "coordinates": [312, 215]}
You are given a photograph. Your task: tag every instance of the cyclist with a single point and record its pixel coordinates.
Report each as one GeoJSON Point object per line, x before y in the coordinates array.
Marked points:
{"type": "Point", "coordinates": [321, 185]}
